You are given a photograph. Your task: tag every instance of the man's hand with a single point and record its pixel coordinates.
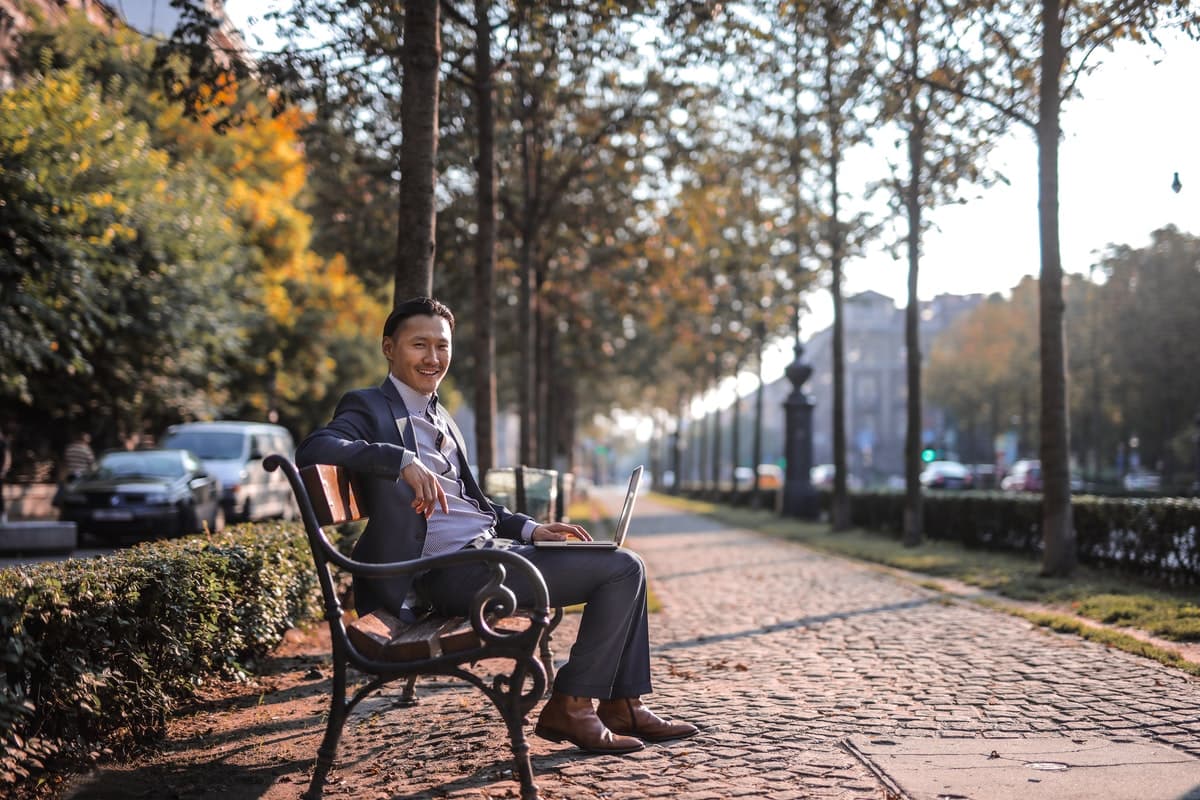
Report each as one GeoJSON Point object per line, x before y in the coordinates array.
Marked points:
{"type": "Point", "coordinates": [558, 531]}
{"type": "Point", "coordinates": [428, 493]}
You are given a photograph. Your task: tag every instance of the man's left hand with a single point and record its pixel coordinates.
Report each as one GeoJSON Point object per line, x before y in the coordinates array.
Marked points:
{"type": "Point", "coordinates": [558, 531]}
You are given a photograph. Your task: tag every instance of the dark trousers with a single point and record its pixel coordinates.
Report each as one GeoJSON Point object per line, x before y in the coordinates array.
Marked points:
{"type": "Point", "coordinates": [611, 654]}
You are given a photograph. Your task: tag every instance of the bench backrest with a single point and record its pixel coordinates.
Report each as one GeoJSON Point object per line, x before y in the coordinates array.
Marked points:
{"type": "Point", "coordinates": [335, 501]}
{"type": "Point", "coordinates": [332, 494]}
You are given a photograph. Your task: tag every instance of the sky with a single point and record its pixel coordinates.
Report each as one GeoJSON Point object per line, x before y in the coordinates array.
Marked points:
{"type": "Point", "coordinates": [1135, 126]}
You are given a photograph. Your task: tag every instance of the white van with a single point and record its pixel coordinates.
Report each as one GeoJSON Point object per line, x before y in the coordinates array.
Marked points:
{"type": "Point", "coordinates": [233, 452]}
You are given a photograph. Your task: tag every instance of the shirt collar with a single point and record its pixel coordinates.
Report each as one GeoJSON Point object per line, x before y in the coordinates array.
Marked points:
{"type": "Point", "coordinates": [416, 402]}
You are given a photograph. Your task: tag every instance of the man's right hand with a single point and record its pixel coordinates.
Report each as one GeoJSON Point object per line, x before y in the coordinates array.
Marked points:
{"type": "Point", "coordinates": [428, 493]}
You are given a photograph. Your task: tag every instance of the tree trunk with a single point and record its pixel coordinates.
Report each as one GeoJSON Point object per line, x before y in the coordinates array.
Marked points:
{"type": "Point", "coordinates": [542, 411]}
{"type": "Point", "coordinates": [715, 467]}
{"type": "Point", "coordinates": [485, 248]}
{"type": "Point", "coordinates": [526, 297]}
{"type": "Point", "coordinates": [550, 384]}
{"type": "Point", "coordinates": [913, 502]}
{"type": "Point", "coordinates": [756, 449]}
{"type": "Point", "coordinates": [527, 378]}
{"type": "Point", "coordinates": [1058, 530]}
{"type": "Point", "coordinates": [571, 424]}
{"type": "Point", "coordinates": [840, 510]}
{"type": "Point", "coordinates": [418, 149]}
{"type": "Point", "coordinates": [735, 441]}
{"type": "Point", "coordinates": [677, 444]}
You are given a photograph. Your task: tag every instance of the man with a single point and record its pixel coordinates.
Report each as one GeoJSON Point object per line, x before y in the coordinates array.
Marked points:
{"type": "Point", "coordinates": [424, 501]}
{"type": "Point", "coordinates": [78, 458]}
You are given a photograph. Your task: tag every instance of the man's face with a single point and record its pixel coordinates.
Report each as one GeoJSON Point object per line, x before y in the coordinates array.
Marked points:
{"type": "Point", "coordinates": [418, 353]}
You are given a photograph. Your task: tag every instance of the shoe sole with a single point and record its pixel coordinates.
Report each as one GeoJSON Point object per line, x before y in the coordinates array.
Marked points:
{"type": "Point", "coordinates": [556, 736]}
{"type": "Point", "coordinates": [657, 739]}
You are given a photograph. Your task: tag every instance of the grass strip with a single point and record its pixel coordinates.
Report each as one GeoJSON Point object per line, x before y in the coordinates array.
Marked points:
{"type": "Point", "coordinates": [1062, 623]}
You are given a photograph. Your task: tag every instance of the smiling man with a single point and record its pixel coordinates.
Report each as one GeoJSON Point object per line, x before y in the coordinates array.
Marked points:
{"type": "Point", "coordinates": [423, 500]}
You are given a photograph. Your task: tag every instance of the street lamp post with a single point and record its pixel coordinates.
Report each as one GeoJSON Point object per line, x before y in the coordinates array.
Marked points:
{"type": "Point", "coordinates": [799, 496]}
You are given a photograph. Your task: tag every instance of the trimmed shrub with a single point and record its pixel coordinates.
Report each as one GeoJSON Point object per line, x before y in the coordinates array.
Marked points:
{"type": "Point", "coordinates": [98, 652]}
{"type": "Point", "coordinates": [1156, 538]}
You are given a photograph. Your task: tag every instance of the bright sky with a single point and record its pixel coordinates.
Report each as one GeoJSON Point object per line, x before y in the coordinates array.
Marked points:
{"type": "Point", "coordinates": [1136, 125]}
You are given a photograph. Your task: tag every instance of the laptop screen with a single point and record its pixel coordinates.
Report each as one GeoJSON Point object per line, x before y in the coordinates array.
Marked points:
{"type": "Point", "coordinates": [622, 526]}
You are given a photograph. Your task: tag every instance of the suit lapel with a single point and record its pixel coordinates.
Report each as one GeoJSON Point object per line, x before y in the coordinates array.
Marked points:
{"type": "Point", "coordinates": [401, 430]}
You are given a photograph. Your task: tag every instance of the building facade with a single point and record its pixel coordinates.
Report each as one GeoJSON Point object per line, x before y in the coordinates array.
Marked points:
{"type": "Point", "coordinates": [876, 392]}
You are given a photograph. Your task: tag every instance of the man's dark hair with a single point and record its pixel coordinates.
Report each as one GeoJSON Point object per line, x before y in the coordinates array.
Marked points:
{"type": "Point", "coordinates": [414, 307]}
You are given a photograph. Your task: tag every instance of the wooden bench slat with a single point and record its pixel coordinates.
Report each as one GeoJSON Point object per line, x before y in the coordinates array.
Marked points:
{"type": "Point", "coordinates": [382, 636]}
{"type": "Point", "coordinates": [331, 493]}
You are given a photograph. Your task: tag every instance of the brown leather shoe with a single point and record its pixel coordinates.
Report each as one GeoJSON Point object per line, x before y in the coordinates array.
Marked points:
{"type": "Point", "coordinates": [572, 719]}
{"type": "Point", "coordinates": [627, 715]}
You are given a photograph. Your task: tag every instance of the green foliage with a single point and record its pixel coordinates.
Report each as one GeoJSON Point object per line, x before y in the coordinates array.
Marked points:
{"type": "Point", "coordinates": [103, 241]}
{"type": "Point", "coordinates": [154, 257]}
{"type": "Point", "coordinates": [100, 651]}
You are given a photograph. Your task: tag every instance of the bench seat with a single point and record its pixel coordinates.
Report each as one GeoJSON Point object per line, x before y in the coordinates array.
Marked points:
{"type": "Point", "coordinates": [382, 636]}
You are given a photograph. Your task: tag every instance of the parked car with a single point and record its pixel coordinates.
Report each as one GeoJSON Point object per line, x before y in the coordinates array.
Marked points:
{"type": "Point", "coordinates": [770, 476]}
{"type": "Point", "coordinates": [946, 475]}
{"type": "Point", "coordinates": [821, 477]}
{"type": "Point", "coordinates": [146, 493]}
{"type": "Point", "coordinates": [1025, 476]}
{"type": "Point", "coordinates": [1142, 480]}
{"type": "Point", "coordinates": [233, 451]}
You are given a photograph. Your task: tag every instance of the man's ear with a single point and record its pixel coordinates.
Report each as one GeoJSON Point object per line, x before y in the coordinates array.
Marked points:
{"type": "Point", "coordinates": [386, 347]}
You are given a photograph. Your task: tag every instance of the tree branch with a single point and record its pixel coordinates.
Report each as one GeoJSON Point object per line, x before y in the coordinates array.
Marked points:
{"type": "Point", "coordinates": [1010, 110]}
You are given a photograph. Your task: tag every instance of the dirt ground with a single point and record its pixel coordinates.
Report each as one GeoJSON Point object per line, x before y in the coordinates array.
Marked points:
{"type": "Point", "coordinates": [258, 740]}
{"type": "Point", "coordinates": [205, 754]}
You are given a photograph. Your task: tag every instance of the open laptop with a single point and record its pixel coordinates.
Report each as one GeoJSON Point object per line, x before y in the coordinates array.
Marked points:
{"type": "Point", "coordinates": [619, 530]}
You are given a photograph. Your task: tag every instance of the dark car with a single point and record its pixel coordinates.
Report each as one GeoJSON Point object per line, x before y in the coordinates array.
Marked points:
{"type": "Point", "coordinates": [144, 493]}
{"type": "Point", "coordinates": [946, 475]}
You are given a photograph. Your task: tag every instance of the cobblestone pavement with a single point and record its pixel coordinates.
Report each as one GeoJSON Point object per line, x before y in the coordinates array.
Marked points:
{"type": "Point", "coordinates": [779, 654]}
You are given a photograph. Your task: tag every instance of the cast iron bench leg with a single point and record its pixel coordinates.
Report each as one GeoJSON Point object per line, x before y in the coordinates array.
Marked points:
{"type": "Point", "coordinates": [409, 696]}
{"type": "Point", "coordinates": [333, 732]}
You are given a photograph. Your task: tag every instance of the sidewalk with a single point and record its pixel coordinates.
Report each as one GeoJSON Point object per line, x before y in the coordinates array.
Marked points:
{"type": "Point", "coordinates": [789, 660]}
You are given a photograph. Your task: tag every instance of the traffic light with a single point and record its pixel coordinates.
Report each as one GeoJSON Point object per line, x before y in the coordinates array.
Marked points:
{"type": "Point", "coordinates": [928, 455]}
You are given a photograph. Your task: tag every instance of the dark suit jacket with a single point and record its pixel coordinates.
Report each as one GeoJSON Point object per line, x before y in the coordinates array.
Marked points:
{"type": "Point", "coordinates": [369, 434]}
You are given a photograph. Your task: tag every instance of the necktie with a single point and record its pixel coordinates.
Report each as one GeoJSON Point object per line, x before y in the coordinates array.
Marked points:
{"type": "Point", "coordinates": [431, 414]}
{"type": "Point", "coordinates": [435, 419]}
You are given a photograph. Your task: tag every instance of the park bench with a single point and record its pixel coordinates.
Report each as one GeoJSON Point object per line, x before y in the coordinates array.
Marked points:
{"type": "Point", "coordinates": [385, 649]}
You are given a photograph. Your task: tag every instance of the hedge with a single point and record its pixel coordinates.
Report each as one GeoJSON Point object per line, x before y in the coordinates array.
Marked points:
{"type": "Point", "coordinates": [1158, 538]}
{"type": "Point", "coordinates": [98, 652]}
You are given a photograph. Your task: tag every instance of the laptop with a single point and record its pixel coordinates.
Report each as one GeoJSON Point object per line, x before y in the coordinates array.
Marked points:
{"type": "Point", "coordinates": [619, 530]}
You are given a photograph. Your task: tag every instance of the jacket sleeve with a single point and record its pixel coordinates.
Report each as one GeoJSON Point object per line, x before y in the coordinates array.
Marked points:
{"type": "Point", "coordinates": [510, 524]}
{"type": "Point", "coordinates": [351, 439]}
